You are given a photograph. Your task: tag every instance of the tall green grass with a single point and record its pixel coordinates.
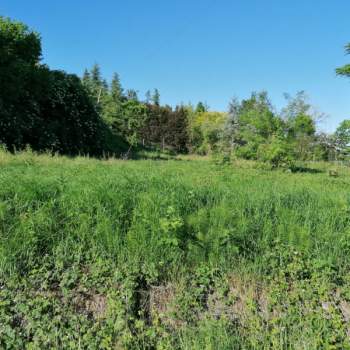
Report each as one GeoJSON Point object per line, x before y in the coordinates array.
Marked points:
{"type": "Point", "coordinates": [174, 254]}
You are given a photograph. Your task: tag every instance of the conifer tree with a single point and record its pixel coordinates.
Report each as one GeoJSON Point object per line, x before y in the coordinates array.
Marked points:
{"type": "Point", "coordinates": [156, 97]}
{"type": "Point", "coordinates": [116, 89]}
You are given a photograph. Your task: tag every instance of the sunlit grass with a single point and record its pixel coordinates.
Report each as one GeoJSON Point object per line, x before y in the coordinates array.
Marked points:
{"type": "Point", "coordinates": [120, 229]}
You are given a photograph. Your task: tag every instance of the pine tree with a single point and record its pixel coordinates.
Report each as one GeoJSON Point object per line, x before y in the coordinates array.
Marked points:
{"type": "Point", "coordinates": [86, 79]}
{"type": "Point", "coordinates": [96, 74]}
{"type": "Point", "coordinates": [156, 97]}
{"type": "Point", "coordinates": [99, 86]}
{"type": "Point", "coordinates": [116, 88]}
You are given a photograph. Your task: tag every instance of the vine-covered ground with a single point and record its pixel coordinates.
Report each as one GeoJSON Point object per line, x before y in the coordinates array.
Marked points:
{"type": "Point", "coordinates": [178, 254]}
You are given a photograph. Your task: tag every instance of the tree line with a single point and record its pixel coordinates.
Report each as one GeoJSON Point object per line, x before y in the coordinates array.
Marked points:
{"type": "Point", "coordinates": [141, 123]}
{"type": "Point", "coordinates": [54, 111]}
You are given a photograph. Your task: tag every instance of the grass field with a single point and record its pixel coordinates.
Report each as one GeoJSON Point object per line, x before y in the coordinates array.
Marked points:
{"type": "Point", "coordinates": [178, 254]}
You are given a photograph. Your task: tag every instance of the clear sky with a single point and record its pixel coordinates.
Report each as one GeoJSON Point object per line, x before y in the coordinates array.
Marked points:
{"type": "Point", "coordinates": [207, 50]}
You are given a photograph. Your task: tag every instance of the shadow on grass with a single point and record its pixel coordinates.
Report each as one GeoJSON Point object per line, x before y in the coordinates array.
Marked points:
{"type": "Point", "coordinates": [153, 153]}
{"type": "Point", "coordinates": [302, 169]}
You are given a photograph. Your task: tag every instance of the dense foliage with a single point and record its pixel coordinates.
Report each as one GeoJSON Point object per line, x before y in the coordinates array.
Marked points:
{"type": "Point", "coordinates": [48, 110]}
{"type": "Point", "coordinates": [145, 123]}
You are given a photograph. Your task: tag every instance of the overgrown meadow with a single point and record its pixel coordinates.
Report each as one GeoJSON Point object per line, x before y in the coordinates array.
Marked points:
{"type": "Point", "coordinates": [173, 254]}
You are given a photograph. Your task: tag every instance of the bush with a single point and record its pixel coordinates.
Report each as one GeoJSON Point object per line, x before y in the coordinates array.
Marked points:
{"type": "Point", "coordinates": [277, 153]}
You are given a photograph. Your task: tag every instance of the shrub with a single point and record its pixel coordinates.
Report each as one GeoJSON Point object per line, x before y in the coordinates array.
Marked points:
{"type": "Point", "coordinates": [276, 152]}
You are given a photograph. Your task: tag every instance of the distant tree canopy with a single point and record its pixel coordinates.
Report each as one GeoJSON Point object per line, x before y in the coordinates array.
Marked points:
{"type": "Point", "coordinates": [206, 130]}
{"type": "Point", "coordinates": [166, 128]}
{"type": "Point", "coordinates": [59, 112]}
{"type": "Point", "coordinates": [256, 131]}
{"type": "Point", "coordinates": [140, 123]}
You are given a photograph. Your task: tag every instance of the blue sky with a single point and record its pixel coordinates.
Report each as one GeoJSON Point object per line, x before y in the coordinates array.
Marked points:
{"type": "Point", "coordinates": [202, 49]}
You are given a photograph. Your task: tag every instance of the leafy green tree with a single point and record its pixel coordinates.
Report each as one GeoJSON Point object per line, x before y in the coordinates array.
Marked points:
{"type": "Point", "coordinates": [303, 124]}
{"type": "Point", "coordinates": [301, 133]}
{"type": "Point", "coordinates": [342, 136]}
{"type": "Point", "coordinates": [345, 70]}
{"type": "Point", "coordinates": [123, 113]}
{"type": "Point", "coordinates": [131, 122]}
{"type": "Point", "coordinates": [18, 44]}
{"type": "Point", "coordinates": [252, 122]}
{"type": "Point", "coordinates": [48, 110]}
{"type": "Point", "coordinates": [256, 115]}
{"type": "Point", "coordinates": [68, 121]}
{"type": "Point", "coordinates": [20, 53]}
{"type": "Point", "coordinates": [276, 151]}
{"type": "Point", "coordinates": [300, 125]}
{"type": "Point", "coordinates": [298, 116]}
{"type": "Point", "coordinates": [207, 131]}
